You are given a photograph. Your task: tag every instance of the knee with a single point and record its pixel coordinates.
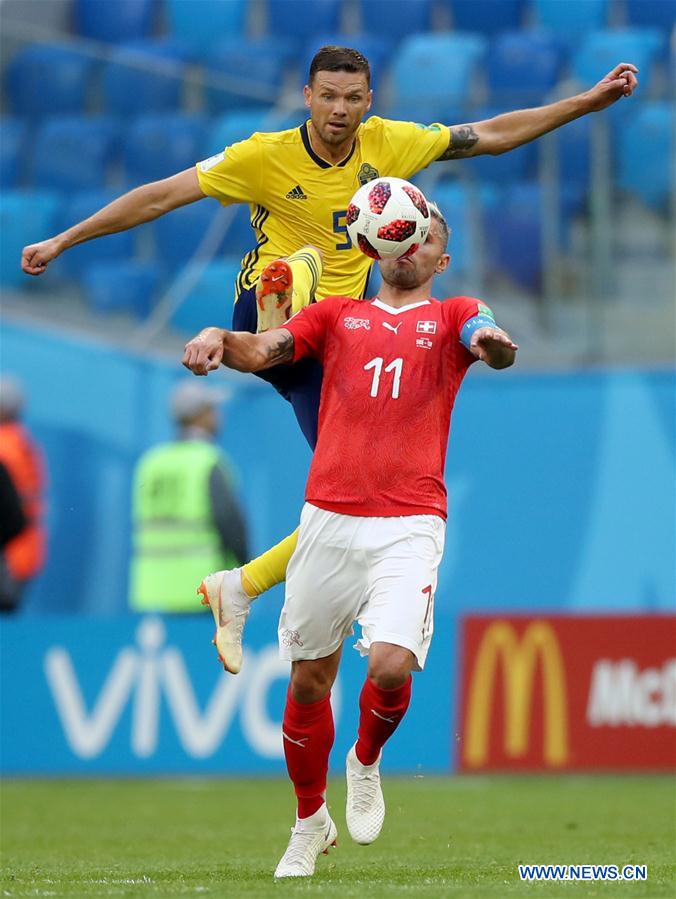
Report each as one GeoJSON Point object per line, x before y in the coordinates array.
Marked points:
{"type": "Point", "coordinates": [391, 668]}
{"type": "Point", "coordinates": [309, 684]}
{"type": "Point", "coordinates": [317, 251]}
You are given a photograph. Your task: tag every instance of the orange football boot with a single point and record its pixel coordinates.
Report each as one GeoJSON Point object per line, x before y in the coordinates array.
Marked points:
{"type": "Point", "coordinates": [274, 295]}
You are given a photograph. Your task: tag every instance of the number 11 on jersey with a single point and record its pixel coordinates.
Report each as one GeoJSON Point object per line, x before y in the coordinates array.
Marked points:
{"type": "Point", "coordinates": [376, 364]}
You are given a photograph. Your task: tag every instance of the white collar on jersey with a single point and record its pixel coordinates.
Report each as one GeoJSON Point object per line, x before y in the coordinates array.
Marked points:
{"type": "Point", "coordinates": [401, 309]}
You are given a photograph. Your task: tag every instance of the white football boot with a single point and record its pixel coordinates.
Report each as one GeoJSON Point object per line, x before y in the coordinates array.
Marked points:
{"type": "Point", "coordinates": [309, 838]}
{"type": "Point", "coordinates": [365, 808]}
{"type": "Point", "coordinates": [230, 605]}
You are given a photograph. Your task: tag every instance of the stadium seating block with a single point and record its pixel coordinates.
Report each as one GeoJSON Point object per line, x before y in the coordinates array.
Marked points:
{"type": "Point", "coordinates": [48, 80]}
{"type": "Point", "coordinates": [210, 300]}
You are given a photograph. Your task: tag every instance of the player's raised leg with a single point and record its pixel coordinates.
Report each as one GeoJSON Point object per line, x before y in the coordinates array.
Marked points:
{"type": "Point", "coordinates": [268, 569]}
{"type": "Point", "coordinates": [230, 593]}
{"type": "Point", "coordinates": [274, 293]}
{"type": "Point", "coordinates": [383, 702]}
{"type": "Point", "coordinates": [222, 591]}
{"type": "Point", "coordinates": [287, 285]}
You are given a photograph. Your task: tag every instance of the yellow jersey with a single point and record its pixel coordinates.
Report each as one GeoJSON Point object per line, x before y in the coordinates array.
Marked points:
{"type": "Point", "coordinates": [298, 198]}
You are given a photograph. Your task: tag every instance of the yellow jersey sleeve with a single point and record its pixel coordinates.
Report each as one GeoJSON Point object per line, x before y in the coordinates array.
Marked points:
{"type": "Point", "coordinates": [235, 174]}
{"type": "Point", "coordinates": [412, 147]}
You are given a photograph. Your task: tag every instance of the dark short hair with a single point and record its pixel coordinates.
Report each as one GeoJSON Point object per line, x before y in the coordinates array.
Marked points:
{"type": "Point", "coordinates": [339, 59]}
{"type": "Point", "coordinates": [438, 216]}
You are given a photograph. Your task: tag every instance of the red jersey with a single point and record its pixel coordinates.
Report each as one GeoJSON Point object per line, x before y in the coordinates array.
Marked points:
{"type": "Point", "coordinates": [390, 381]}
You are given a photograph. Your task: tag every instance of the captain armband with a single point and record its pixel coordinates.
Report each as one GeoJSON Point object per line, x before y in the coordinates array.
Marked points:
{"type": "Point", "coordinates": [472, 325]}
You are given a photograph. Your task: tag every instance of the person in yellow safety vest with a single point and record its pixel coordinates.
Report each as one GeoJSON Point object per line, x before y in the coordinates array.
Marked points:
{"type": "Point", "coordinates": [186, 518]}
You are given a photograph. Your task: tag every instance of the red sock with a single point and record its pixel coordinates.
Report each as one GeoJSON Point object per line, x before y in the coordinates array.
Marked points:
{"type": "Point", "coordinates": [381, 711]}
{"type": "Point", "coordinates": [308, 734]}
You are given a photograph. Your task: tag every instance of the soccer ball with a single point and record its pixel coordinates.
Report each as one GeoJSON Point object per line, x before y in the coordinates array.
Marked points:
{"type": "Point", "coordinates": [388, 218]}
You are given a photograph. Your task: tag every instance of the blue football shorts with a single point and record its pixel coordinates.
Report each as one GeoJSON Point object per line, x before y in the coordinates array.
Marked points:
{"type": "Point", "coordinates": [299, 383]}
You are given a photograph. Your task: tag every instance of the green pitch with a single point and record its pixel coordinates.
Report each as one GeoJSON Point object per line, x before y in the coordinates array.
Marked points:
{"type": "Point", "coordinates": [442, 837]}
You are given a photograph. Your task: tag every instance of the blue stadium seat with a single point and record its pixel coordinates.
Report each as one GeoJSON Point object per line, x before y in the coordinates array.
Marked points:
{"type": "Point", "coordinates": [74, 153]}
{"type": "Point", "coordinates": [206, 21]}
{"type": "Point", "coordinates": [523, 67]}
{"type": "Point", "coordinates": [571, 19]}
{"type": "Point", "coordinates": [377, 49]}
{"type": "Point", "coordinates": [210, 301]}
{"type": "Point", "coordinates": [396, 20]}
{"type": "Point", "coordinates": [48, 80]}
{"type": "Point", "coordinates": [651, 13]}
{"type": "Point", "coordinates": [25, 217]}
{"type": "Point", "coordinates": [650, 140]}
{"type": "Point", "coordinates": [487, 16]}
{"type": "Point", "coordinates": [144, 77]}
{"type": "Point", "coordinates": [303, 18]}
{"type": "Point", "coordinates": [122, 285]}
{"type": "Point", "coordinates": [254, 71]}
{"type": "Point", "coordinates": [433, 72]}
{"type": "Point", "coordinates": [454, 201]}
{"type": "Point", "coordinates": [13, 134]}
{"type": "Point", "coordinates": [516, 165]}
{"type": "Point", "coordinates": [178, 234]}
{"type": "Point", "coordinates": [113, 247]}
{"type": "Point", "coordinates": [601, 50]}
{"type": "Point", "coordinates": [157, 146]}
{"type": "Point", "coordinates": [574, 153]}
{"type": "Point", "coordinates": [121, 20]}
{"type": "Point", "coordinates": [513, 230]}
{"type": "Point", "coordinates": [233, 127]}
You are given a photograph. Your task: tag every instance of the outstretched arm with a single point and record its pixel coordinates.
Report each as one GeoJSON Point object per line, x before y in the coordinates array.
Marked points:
{"type": "Point", "coordinates": [494, 347]}
{"type": "Point", "coordinates": [512, 129]}
{"type": "Point", "coordinates": [143, 204]}
{"type": "Point", "coordinates": [237, 349]}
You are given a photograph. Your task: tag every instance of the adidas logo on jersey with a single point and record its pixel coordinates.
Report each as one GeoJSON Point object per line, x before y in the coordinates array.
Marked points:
{"type": "Point", "coordinates": [296, 193]}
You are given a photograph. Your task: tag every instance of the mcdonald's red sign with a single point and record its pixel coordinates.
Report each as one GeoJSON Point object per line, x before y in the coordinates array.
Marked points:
{"type": "Point", "coordinates": [568, 692]}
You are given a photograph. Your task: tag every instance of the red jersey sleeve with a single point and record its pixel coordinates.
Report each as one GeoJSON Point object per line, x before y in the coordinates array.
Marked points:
{"type": "Point", "coordinates": [309, 328]}
{"type": "Point", "coordinates": [460, 310]}
{"type": "Point", "coordinates": [464, 308]}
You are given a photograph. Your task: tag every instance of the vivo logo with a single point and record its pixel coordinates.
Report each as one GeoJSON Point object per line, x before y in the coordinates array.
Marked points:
{"type": "Point", "coordinates": [149, 672]}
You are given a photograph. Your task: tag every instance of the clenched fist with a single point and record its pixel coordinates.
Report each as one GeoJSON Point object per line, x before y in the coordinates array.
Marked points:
{"type": "Point", "coordinates": [204, 353]}
{"type": "Point", "coordinates": [36, 257]}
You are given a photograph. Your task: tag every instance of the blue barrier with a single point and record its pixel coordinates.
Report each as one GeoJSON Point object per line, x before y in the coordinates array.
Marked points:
{"type": "Point", "coordinates": [560, 485]}
{"type": "Point", "coordinates": [146, 695]}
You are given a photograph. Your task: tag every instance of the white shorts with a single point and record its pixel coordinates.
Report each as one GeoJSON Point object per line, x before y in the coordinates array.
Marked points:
{"type": "Point", "coordinates": [381, 572]}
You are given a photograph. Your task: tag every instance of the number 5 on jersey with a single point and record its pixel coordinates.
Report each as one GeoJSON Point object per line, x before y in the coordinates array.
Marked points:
{"type": "Point", "coordinates": [340, 227]}
{"type": "Point", "coordinates": [376, 364]}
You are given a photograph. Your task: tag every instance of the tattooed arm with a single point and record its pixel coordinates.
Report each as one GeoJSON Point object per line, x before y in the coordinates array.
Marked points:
{"type": "Point", "coordinates": [274, 348]}
{"type": "Point", "coordinates": [512, 129]}
{"type": "Point", "coordinates": [237, 349]}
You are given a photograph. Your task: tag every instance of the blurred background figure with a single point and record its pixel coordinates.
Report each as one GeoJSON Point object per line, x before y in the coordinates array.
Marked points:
{"type": "Point", "coordinates": [12, 518]}
{"type": "Point", "coordinates": [23, 556]}
{"type": "Point", "coordinates": [186, 519]}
